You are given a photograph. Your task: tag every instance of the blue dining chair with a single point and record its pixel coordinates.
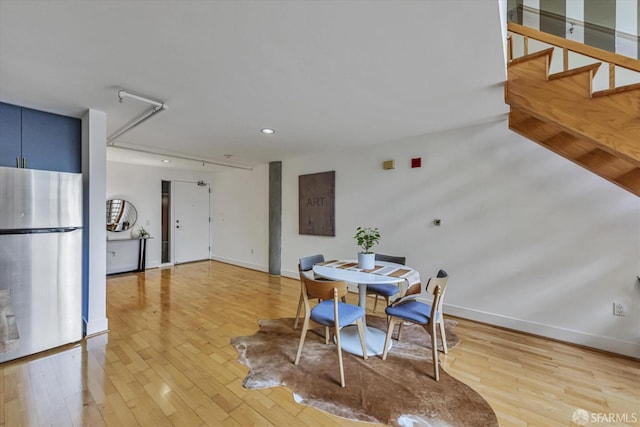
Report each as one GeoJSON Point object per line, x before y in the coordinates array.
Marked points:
{"type": "Point", "coordinates": [386, 290]}
{"type": "Point", "coordinates": [409, 309]}
{"type": "Point", "coordinates": [330, 312]}
{"type": "Point", "coordinates": [305, 265]}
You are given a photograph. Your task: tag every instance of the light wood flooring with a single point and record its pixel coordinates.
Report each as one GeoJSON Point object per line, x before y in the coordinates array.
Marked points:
{"type": "Point", "coordinates": [167, 361]}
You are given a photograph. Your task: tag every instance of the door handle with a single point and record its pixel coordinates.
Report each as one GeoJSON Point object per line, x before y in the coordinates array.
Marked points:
{"type": "Point", "coordinates": [24, 163]}
{"type": "Point", "coordinates": [17, 162]}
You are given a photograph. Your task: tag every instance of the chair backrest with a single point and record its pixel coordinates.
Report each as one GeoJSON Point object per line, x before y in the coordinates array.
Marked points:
{"type": "Point", "coordinates": [437, 301]}
{"type": "Point", "coordinates": [440, 282]}
{"type": "Point", "coordinates": [390, 258]}
{"type": "Point", "coordinates": [306, 263]}
{"type": "Point", "coordinates": [323, 289]}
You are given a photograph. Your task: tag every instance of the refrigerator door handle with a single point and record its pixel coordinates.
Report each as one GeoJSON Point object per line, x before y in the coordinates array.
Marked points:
{"type": "Point", "coordinates": [39, 230]}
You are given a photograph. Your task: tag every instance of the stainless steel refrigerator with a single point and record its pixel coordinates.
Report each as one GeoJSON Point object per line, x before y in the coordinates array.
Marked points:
{"type": "Point", "coordinates": [40, 260]}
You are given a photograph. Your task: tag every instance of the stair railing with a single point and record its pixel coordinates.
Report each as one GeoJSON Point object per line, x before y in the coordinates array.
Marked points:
{"type": "Point", "coordinates": [613, 60]}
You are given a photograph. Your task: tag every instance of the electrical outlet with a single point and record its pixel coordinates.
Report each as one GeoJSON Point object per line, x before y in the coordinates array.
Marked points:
{"type": "Point", "coordinates": [618, 309]}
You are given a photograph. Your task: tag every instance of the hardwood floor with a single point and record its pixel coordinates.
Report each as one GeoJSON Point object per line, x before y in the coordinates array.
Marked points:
{"type": "Point", "coordinates": [166, 360]}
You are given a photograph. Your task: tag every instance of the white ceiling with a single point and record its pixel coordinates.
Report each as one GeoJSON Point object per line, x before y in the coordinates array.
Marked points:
{"type": "Point", "coordinates": [323, 74]}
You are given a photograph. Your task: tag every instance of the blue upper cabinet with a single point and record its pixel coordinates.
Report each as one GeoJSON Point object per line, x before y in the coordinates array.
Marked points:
{"type": "Point", "coordinates": [10, 135]}
{"type": "Point", "coordinates": [45, 140]}
{"type": "Point", "coordinates": [51, 141]}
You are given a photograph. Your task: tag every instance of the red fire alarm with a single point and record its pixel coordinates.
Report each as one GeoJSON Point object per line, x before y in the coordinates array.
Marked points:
{"type": "Point", "coordinates": [416, 162]}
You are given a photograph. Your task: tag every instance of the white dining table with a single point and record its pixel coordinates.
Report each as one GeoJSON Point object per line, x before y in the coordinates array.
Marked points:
{"type": "Point", "coordinates": [349, 337]}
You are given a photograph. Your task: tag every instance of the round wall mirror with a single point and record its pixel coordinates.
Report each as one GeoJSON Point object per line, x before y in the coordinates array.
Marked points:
{"type": "Point", "coordinates": [121, 215]}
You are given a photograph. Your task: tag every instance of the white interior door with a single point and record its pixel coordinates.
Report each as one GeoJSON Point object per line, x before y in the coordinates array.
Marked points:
{"type": "Point", "coordinates": [190, 221]}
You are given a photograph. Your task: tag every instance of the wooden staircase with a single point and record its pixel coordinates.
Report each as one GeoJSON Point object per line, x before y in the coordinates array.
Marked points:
{"type": "Point", "coordinates": [599, 131]}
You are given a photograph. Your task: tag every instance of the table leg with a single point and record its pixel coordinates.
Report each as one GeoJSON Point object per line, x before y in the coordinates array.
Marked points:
{"type": "Point", "coordinates": [362, 300]}
{"type": "Point", "coordinates": [350, 339]}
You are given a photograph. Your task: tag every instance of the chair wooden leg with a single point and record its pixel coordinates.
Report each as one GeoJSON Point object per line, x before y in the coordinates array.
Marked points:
{"type": "Point", "coordinates": [443, 336]}
{"type": "Point", "coordinates": [303, 335]}
{"type": "Point", "coordinates": [327, 335]}
{"type": "Point", "coordinates": [375, 303]}
{"type": "Point", "coordinates": [338, 345]}
{"type": "Point", "coordinates": [295, 323]}
{"type": "Point", "coordinates": [363, 342]}
{"type": "Point", "coordinates": [434, 345]}
{"type": "Point", "coordinates": [400, 330]}
{"type": "Point", "coordinates": [387, 339]}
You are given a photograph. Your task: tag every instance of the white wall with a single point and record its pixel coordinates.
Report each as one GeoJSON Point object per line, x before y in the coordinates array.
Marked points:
{"type": "Point", "coordinates": [142, 186]}
{"type": "Point", "coordinates": [240, 217]}
{"type": "Point", "coordinates": [530, 240]}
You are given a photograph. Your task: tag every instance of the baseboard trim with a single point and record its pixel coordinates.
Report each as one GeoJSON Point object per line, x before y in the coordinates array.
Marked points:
{"type": "Point", "coordinates": [598, 342]}
{"type": "Point", "coordinates": [239, 263]}
{"type": "Point", "coordinates": [292, 274]}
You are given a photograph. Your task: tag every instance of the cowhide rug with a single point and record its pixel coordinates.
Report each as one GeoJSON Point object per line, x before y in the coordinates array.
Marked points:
{"type": "Point", "coordinates": [399, 391]}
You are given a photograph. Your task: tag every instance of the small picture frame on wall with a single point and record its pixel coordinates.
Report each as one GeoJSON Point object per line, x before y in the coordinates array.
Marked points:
{"type": "Point", "coordinates": [316, 204]}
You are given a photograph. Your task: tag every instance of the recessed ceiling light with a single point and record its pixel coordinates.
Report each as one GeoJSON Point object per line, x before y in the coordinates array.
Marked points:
{"type": "Point", "coordinates": [166, 161]}
{"type": "Point", "coordinates": [267, 131]}
{"type": "Point", "coordinates": [227, 156]}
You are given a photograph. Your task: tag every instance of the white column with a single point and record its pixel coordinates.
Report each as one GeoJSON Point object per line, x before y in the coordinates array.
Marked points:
{"type": "Point", "coordinates": [94, 171]}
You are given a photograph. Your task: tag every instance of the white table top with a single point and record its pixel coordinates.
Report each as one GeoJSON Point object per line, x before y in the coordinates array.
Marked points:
{"type": "Point", "coordinates": [355, 275]}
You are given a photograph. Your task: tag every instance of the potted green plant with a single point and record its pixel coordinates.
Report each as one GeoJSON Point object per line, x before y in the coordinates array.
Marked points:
{"type": "Point", "coordinates": [366, 237]}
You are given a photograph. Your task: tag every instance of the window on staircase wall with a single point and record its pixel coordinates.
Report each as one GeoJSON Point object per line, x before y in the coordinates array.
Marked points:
{"type": "Point", "coordinates": [600, 24]}
{"type": "Point", "coordinates": [612, 25]}
{"type": "Point", "coordinates": [553, 17]}
{"type": "Point", "coordinates": [514, 11]}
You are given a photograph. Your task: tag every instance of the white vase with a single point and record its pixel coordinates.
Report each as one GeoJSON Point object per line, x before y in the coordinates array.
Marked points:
{"type": "Point", "coordinates": [366, 261]}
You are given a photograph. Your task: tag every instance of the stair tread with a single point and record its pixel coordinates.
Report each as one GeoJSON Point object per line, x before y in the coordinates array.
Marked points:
{"type": "Point", "coordinates": [532, 56]}
{"type": "Point", "coordinates": [574, 71]}
{"type": "Point", "coordinates": [617, 90]}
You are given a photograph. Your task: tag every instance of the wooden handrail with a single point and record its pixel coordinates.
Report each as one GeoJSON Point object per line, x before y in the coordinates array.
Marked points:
{"type": "Point", "coordinates": [590, 51]}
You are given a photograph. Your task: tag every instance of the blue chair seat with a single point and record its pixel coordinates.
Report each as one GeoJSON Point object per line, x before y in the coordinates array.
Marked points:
{"type": "Point", "coordinates": [414, 311]}
{"type": "Point", "coordinates": [384, 289]}
{"type": "Point", "coordinates": [347, 313]}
